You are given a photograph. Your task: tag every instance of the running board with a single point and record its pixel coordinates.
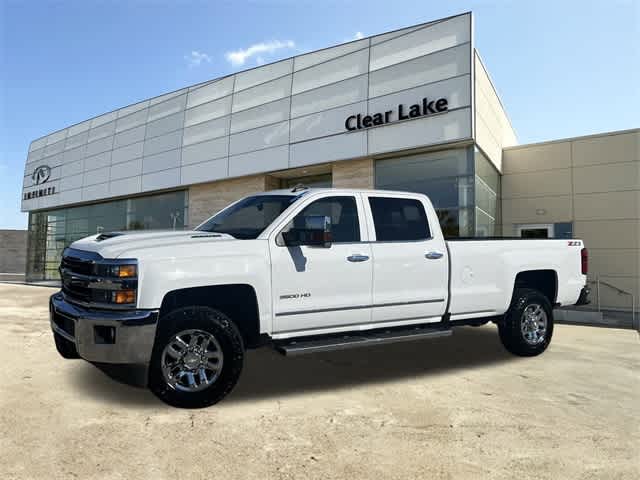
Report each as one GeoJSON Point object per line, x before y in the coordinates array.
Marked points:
{"type": "Point", "coordinates": [328, 343]}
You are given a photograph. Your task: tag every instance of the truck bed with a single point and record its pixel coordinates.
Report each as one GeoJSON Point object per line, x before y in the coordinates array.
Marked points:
{"type": "Point", "coordinates": [483, 271]}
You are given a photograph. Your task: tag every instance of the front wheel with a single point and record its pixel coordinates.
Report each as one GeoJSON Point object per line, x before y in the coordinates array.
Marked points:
{"type": "Point", "coordinates": [527, 326]}
{"type": "Point", "coordinates": [197, 357]}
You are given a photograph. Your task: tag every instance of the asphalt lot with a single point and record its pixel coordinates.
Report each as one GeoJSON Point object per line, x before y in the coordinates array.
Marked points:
{"type": "Point", "coordinates": [458, 407]}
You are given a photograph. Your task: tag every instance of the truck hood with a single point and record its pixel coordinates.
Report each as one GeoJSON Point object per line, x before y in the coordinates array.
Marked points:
{"type": "Point", "coordinates": [115, 244]}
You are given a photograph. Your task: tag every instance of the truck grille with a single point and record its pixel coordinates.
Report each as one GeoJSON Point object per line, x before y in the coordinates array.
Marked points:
{"type": "Point", "coordinates": [77, 265]}
{"type": "Point", "coordinates": [75, 271]}
{"type": "Point", "coordinates": [86, 280]}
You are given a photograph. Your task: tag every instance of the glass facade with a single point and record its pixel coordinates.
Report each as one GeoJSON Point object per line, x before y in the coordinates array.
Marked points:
{"type": "Point", "coordinates": [487, 195]}
{"type": "Point", "coordinates": [53, 230]}
{"type": "Point", "coordinates": [447, 177]}
{"type": "Point", "coordinates": [462, 184]}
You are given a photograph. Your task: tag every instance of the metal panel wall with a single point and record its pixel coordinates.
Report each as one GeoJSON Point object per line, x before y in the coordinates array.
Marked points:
{"type": "Point", "coordinates": [285, 114]}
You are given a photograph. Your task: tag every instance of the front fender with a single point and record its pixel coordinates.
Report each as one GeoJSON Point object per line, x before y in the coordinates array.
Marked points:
{"type": "Point", "coordinates": [161, 273]}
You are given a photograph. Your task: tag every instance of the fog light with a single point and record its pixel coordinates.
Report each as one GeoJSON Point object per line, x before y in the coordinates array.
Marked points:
{"type": "Point", "coordinates": [124, 296]}
{"type": "Point", "coordinates": [104, 335]}
{"type": "Point", "coordinates": [127, 271]}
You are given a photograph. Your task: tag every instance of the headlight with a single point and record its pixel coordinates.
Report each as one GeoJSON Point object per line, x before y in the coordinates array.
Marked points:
{"type": "Point", "coordinates": [126, 271]}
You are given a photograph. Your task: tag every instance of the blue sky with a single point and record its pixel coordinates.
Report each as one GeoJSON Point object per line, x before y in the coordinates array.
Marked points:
{"type": "Point", "coordinates": [562, 68]}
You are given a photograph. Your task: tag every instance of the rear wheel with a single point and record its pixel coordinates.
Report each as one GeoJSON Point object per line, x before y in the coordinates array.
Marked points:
{"type": "Point", "coordinates": [527, 326]}
{"type": "Point", "coordinates": [197, 357]}
{"type": "Point", "coordinates": [65, 348]}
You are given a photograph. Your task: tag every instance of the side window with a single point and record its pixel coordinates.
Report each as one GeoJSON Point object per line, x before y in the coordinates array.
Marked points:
{"type": "Point", "coordinates": [343, 213]}
{"type": "Point", "coordinates": [399, 219]}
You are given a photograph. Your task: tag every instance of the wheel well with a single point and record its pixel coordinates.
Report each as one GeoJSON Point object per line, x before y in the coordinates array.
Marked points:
{"type": "Point", "coordinates": [544, 281]}
{"type": "Point", "coordinates": [238, 302]}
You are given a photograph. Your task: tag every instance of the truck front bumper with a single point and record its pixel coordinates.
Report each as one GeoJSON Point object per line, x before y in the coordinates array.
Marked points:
{"type": "Point", "coordinates": [105, 336]}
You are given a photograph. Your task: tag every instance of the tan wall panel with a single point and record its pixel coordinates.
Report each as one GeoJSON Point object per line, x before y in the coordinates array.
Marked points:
{"type": "Point", "coordinates": [209, 198]}
{"type": "Point", "coordinates": [607, 178]}
{"type": "Point", "coordinates": [353, 174]}
{"type": "Point", "coordinates": [624, 147]}
{"type": "Point", "coordinates": [13, 251]}
{"type": "Point", "coordinates": [610, 298]}
{"type": "Point", "coordinates": [525, 210]}
{"type": "Point", "coordinates": [549, 156]}
{"type": "Point", "coordinates": [614, 263]}
{"type": "Point", "coordinates": [601, 196]}
{"type": "Point", "coordinates": [608, 234]}
{"type": "Point", "coordinates": [607, 206]}
{"type": "Point", "coordinates": [537, 184]}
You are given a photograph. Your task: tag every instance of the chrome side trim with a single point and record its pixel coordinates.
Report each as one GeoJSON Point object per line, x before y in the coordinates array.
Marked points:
{"type": "Point", "coordinates": [358, 307]}
{"type": "Point", "coordinates": [392, 323]}
{"type": "Point", "coordinates": [478, 312]}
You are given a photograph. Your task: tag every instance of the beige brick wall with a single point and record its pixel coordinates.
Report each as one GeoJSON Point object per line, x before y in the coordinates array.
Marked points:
{"type": "Point", "coordinates": [13, 251]}
{"type": "Point", "coordinates": [593, 182]}
{"type": "Point", "coordinates": [353, 174]}
{"type": "Point", "coordinates": [209, 198]}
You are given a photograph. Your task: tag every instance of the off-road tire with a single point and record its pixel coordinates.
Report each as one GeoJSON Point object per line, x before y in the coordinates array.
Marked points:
{"type": "Point", "coordinates": [65, 348]}
{"type": "Point", "coordinates": [227, 335]}
{"type": "Point", "coordinates": [510, 328]}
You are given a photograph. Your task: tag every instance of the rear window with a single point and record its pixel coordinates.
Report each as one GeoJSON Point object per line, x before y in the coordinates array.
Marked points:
{"type": "Point", "coordinates": [399, 219]}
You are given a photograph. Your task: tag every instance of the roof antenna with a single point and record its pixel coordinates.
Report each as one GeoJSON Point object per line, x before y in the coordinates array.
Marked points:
{"type": "Point", "coordinates": [299, 187]}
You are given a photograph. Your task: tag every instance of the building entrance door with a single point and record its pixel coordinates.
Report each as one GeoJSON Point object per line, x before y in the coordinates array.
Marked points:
{"type": "Point", "coordinates": [535, 231]}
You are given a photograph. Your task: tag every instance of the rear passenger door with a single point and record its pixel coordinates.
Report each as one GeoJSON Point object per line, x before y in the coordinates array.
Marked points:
{"type": "Point", "coordinates": [410, 268]}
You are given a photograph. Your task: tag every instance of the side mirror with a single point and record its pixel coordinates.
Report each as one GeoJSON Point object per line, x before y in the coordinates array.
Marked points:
{"type": "Point", "coordinates": [316, 231]}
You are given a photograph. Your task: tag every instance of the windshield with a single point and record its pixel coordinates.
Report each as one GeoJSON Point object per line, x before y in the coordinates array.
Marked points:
{"type": "Point", "coordinates": [249, 217]}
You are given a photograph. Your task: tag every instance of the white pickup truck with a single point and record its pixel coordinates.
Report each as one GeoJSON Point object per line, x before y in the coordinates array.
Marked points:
{"type": "Point", "coordinates": [302, 271]}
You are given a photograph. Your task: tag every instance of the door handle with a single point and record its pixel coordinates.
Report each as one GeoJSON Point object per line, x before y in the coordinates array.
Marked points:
{"type": "Point", "coordinates": [358, 258]}
{"type": "Point", "coordinates": [433, 255]}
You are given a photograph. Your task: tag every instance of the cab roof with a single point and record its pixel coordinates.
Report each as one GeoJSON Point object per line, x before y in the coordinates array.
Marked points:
{"type": "Point", "coordinates": [296, 191]}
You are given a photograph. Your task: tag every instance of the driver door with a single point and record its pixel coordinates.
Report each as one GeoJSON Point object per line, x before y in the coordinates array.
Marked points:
{"type": "Point", "coordinates": [319, 288]}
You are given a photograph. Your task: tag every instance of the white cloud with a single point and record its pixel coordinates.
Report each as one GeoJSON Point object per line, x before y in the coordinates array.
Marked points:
{"type": "Point", "coordinates": [196, 58]}
{"type": "Point", "coordinates": [358, 36]}
{"type": "Point", "coordinates": [239, 57]}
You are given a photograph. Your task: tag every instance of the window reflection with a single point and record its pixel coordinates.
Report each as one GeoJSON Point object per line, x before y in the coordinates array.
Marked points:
{"type": "Point", "coordinates": [445, 177]}
{"type": "Point", "coordinates": [487, 193]}
{"type": "Point", "coordinates": [50, 232]}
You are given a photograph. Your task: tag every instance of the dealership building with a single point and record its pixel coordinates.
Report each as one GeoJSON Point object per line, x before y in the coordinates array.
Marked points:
{"type": "Point", "coordinates": [413, 109]}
